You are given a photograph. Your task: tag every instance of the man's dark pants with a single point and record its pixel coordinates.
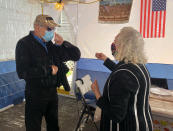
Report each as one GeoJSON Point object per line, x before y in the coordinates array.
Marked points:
{"type": "Point", "coordinates": [39, 105]}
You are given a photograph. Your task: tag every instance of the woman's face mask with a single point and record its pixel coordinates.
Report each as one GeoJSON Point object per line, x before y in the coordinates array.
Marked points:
{"type": "Point", "coordinates": [48, 35]}
{"type": "Point", "coordinates": [113, 49]}
{"type": "Point", "coordinates": [114, 46]}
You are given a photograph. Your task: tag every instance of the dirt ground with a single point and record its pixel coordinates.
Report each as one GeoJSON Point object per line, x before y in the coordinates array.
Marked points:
{"type": "Point", "coordinates": [13, 118]}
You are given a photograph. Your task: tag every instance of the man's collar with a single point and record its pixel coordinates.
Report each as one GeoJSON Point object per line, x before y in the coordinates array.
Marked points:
{"type": "Point", "coordinates": [36, 37]}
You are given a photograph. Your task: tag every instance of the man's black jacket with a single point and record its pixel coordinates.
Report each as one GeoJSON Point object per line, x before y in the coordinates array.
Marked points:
{"type": "Point", "coordinates": [33, 62]}
{"type": "Point", "coordinates": [61, 76]}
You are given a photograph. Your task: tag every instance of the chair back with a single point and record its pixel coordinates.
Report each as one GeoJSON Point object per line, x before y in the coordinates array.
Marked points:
{"type": "Point", "coordinates": [78, 93]}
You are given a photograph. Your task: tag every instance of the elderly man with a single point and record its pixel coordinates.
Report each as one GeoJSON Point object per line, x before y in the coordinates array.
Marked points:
{"type": "Point", "coordinates": [36, 63]}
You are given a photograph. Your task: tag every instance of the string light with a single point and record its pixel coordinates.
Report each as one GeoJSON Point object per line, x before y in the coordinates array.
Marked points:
{"type": "Point", "coordinates": [80, 2]}
{"type": "Point", "coordinates": [75, 1]}
{"type": "Point", "coordinates": [59, 5]}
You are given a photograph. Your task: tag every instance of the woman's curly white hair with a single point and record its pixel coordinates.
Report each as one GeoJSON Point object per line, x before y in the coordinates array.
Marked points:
{"type": "Point", "coordinates": [131, 46]}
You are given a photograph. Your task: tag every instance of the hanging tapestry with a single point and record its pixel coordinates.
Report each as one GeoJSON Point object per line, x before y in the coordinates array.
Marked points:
{"type": "Point", "coordinates": [114, 11]}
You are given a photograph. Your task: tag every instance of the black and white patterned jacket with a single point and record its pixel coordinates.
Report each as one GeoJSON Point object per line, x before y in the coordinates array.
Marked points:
{"type": "Point", "coordinates": [125, 100]}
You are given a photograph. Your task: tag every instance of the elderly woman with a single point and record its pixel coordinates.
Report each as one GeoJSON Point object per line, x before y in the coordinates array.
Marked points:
{"type": "Point", "coordinates": [125, 99]}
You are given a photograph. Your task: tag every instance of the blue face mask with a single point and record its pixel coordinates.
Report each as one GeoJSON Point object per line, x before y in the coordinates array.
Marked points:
{"type": "Point", "coordinates": [48, 35]}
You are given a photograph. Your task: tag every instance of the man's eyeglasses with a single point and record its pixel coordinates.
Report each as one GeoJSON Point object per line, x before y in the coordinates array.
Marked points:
{"type": "Point", "coordinates": [50, 29]}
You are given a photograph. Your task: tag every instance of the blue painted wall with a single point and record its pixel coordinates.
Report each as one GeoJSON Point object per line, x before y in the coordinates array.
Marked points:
{"type": "Point", "coordinates": [11, 87]}
{"type": "Point", "coordinates": [156, 70]}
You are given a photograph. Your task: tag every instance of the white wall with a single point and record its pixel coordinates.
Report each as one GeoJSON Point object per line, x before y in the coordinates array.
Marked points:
{"type": "Point", "coordinates": [16, 19]}
{"type": "Point", "coordinates": [92, 36]}
{"type": "Point", "coordinates": [17, 16]}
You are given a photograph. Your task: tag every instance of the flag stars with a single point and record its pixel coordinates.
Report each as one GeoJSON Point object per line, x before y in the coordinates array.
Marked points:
{"type": "Point", "coordinates": [159, 5]}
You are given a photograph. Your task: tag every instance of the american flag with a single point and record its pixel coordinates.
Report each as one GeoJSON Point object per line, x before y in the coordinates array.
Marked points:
{"type": "Point", "coordinates": [152, 18]}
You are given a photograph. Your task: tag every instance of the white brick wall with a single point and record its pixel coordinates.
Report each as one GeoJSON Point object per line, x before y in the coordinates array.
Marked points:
{"type": "Point", "coordinates": [16, 19]}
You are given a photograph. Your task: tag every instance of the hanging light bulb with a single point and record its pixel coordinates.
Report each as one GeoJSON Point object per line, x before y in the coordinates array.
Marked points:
{"type": "Point", "coordinates": [59, 5]}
